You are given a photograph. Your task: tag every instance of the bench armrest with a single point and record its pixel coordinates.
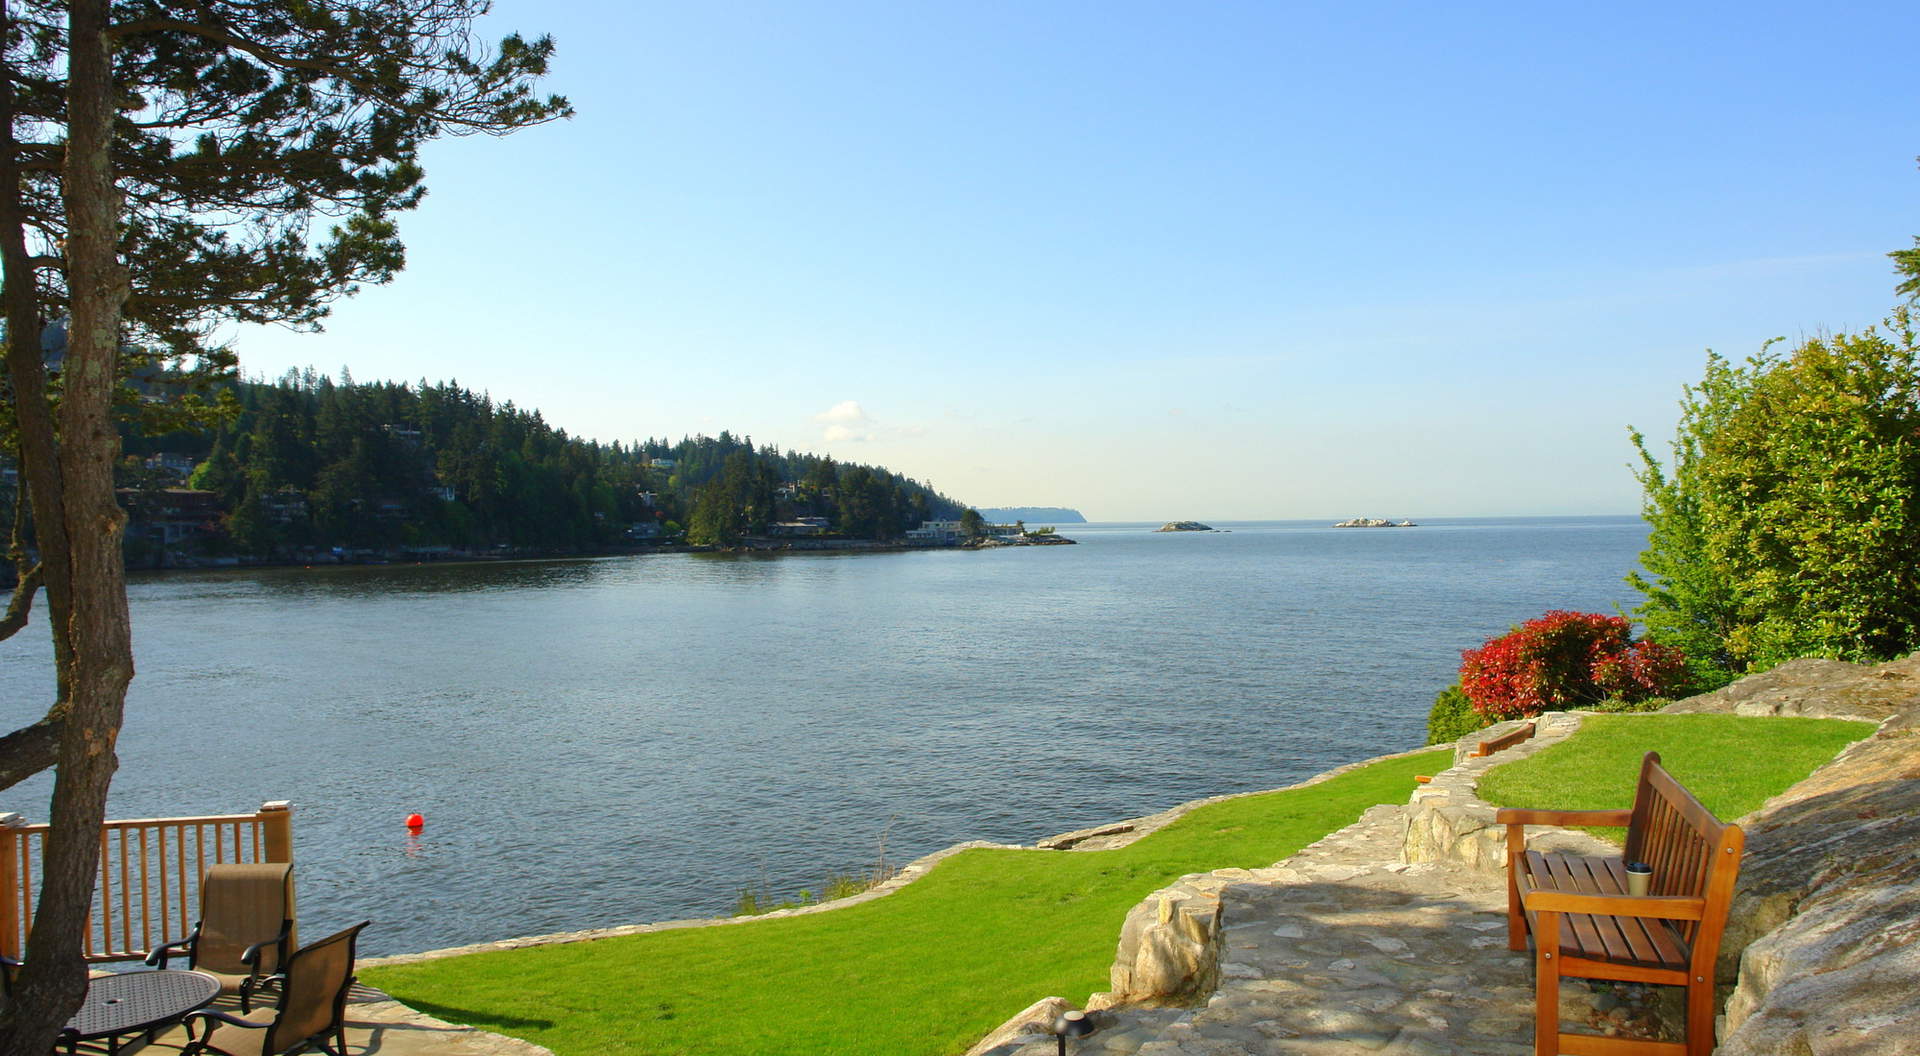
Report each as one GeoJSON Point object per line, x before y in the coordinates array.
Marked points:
{"type": "Point", "coordinates": [1525, 816]}
{"type": "Point", "coordinates": [1664, 907]}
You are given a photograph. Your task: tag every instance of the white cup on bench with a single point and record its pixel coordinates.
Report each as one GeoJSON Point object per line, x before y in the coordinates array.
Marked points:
{"type": "Point", "coordinates": [1639, 878]}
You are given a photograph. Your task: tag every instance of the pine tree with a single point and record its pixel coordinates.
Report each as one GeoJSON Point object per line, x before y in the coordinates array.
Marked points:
{"type": "Point", "coordinates": [256, 182]}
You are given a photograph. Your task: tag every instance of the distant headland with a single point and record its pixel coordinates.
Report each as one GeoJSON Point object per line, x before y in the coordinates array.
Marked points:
{"type": "Point", "coordinates": [1375, 522]}
{"type": "Point", "coordinates": [1036, 514]}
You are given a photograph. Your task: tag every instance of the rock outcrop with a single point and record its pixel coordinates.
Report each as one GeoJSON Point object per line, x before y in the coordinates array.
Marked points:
{"type": "Point", "coordinates": [1828, 909]}
{"type": "Point", "coordinates": [1823, 944]}
{"type": "Point", "coordinates": [1184, 526]}
{"type": "Point", "coordinates": [1817, 689]}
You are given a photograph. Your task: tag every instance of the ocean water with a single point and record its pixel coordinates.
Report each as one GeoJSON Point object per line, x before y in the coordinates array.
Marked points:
{"type": "Point", "coordinates": [612, 741]}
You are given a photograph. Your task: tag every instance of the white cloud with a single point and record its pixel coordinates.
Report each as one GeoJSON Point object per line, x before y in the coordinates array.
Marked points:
{"type": "Point", "coordinates": [847, 423]}
{"type": "Point", "coordinates": [846, 412]}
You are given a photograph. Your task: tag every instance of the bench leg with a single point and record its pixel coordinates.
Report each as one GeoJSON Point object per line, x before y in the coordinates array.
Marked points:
{"type": "Point", "coordinates": [1546, 985]}
{"type": "Point", "coordinates": [1516, 919]}
{"type": "Point", "coordinates": [1700, 1016]}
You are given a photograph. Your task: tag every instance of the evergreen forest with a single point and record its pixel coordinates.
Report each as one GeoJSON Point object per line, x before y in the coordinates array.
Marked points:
{"type": "Point", "coordinates": [307, 467]}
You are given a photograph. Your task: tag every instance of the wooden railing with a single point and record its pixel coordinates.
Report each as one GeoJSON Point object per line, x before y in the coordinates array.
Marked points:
{"type": "Point", "coordinates": [148, 890]}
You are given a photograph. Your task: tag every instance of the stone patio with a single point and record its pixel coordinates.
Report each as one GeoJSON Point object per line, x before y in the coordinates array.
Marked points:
{"type": "Point", "coordinates": [377, 1025]}
{"type": "Point", "coordinates": [1343, 950]}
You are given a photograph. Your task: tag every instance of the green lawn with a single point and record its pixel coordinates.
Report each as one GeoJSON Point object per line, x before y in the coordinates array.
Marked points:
{"type": "Point", "coordinates": [926, 970]}
{"type": "Point", "coordinates": [1732, 763]}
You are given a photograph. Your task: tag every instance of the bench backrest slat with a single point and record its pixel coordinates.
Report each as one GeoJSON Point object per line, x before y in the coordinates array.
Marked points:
{"type": "Point", "coordinates": [1691, 851]}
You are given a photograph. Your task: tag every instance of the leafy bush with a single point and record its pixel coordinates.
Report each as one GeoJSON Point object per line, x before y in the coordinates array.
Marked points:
{"type": "Point", "coordinates": [1565, 660]}
{"type": "Point", "coordinates": [1453, 717]}
{"type": "Point", "coordinates": [1787, 521]}
{"type": "Point", "coordinates": [1618, 705]}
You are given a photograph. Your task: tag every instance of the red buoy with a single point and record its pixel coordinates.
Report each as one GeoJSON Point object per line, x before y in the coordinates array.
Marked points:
{"type": "Point", "coordinates": [416, 822]}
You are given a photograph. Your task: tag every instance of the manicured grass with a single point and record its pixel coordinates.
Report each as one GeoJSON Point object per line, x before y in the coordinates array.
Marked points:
{"type": "Point", "coordinates": [926, 970]}
{"type": "Point", "coordinates": [1733, 763]}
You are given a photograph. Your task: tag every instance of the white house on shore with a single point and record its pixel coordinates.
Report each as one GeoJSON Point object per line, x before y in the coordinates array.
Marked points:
{"type": "Point", "coordinates": [935, 533]}
{"type": "Point", "coordinates": [947, 533]}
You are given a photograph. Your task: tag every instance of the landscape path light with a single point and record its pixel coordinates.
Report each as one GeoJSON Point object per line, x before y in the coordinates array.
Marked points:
{"type": "Point", "coordinates": [1072, 1024]}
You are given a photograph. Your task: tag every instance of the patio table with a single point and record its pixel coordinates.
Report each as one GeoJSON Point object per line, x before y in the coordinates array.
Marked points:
{"type": "Point", "coordinates": [136, 1003]}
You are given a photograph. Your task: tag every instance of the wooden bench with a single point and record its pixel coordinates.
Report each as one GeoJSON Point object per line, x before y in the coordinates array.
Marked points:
{"type": "Point", "coordinates": [1505, 740]}
{"type": "Point", "coordinates": [1584, 924]}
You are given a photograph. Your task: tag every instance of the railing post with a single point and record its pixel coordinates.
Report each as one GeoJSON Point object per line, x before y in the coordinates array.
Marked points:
{"type": "Point", "coordinates": [12, 846]}
{"type": "Point", "coordinates": [276, 818]}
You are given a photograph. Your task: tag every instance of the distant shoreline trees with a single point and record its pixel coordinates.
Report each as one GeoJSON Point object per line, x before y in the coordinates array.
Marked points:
{"type": "Point", "coordinates": [308, 464]}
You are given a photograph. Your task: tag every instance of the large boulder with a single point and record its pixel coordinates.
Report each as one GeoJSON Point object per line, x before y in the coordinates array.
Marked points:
{"type": "Point", "coordinates": [1169, 949]}
{"type": "Point", "coordinates": [1817, 688]}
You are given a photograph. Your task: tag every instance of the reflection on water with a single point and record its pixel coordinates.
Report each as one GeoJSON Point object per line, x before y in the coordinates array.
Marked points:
{"type": "Point", "coordinates": [609, 741]}
{"type": "Point", "coordinates": [364, 580]}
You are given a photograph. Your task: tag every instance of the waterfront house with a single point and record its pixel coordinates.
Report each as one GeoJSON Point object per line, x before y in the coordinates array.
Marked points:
{"type": "Point", "coordinates": [935, 533]}
{"type": "Point", "coordinates": [799, 526]}
{"type": "Point", "coordinates": [169, 515]}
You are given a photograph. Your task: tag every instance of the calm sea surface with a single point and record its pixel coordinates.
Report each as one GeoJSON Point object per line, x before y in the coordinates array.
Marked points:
{"type": "Point", "coordinates": [631, 739]}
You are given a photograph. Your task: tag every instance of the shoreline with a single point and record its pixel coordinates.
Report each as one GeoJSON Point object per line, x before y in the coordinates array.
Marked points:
{"type": "Point", "coordinates": [758, 546]}
{"type": "Point", "coordinates": [1094, 838]}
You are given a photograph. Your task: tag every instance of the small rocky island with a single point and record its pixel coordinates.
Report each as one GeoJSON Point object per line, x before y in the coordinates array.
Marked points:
{"type": "Point", "coordinates": [1184, 526]}
{"type": "Point", "coordinates": [1375, 522]}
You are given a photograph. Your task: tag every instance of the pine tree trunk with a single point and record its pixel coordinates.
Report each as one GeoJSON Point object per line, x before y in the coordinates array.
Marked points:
{"type": "Point", "coordinates": [96, 627]}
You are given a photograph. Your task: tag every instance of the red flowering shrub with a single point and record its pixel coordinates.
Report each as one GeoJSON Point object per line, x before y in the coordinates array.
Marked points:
{"type": "Point", "coordinates": [1566, 660]}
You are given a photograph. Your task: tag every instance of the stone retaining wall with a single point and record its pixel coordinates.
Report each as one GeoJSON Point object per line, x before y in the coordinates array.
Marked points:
{"type": "Point", "coordinates": [1448, 821]}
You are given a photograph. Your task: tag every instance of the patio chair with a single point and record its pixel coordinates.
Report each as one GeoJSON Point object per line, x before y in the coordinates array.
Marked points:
{"type": "Point", "coordinates": [245, 927]}
{"type": "Point", "coordinates": [313, 1006]}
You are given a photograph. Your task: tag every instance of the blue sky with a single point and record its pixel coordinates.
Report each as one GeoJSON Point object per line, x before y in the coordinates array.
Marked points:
{"type": "Point", "coordinates": [1160, 261]}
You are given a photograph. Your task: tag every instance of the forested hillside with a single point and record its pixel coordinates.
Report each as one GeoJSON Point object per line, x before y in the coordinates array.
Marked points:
{"type": "Point", "coordinates": [307, 464]}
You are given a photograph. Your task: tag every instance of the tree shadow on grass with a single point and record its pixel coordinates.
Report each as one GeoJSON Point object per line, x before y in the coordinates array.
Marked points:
{"type": "Point", "coordinates": [471, 1017]}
